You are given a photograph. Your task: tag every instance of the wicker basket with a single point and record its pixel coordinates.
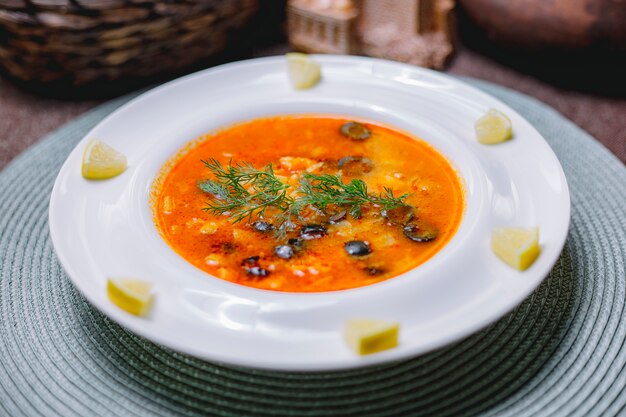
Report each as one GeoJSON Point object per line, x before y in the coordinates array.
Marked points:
{"type": "Point", "coordinates": [79, 42]}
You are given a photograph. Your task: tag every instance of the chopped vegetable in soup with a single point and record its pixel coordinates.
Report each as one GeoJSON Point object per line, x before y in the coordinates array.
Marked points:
{"type": "Point", "coordinates": [307, 203]}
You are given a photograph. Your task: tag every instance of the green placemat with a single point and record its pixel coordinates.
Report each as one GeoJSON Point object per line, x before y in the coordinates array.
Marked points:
{"type": "Point", "coordinates": [561, 353]}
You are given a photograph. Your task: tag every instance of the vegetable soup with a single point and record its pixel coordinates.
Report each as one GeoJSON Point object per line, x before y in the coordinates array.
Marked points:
{"type": "Point", "coordinates": [307, 203]}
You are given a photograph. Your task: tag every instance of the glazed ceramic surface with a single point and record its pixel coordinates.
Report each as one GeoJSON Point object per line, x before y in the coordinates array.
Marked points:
{"type": "Point", "coordinates": [105, 229]}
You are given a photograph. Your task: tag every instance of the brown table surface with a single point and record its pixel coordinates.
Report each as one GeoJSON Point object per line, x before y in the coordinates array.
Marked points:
{"type": "Point", "coordinates": [25, 118]}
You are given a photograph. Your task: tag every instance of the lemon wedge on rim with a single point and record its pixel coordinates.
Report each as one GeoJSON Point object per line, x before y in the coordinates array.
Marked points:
{"type": "Point", "coordinates": [131, 295]}
{"type": "Point", "coordinates": [494, 127]}
{"type": "Point", "coordinates": [303, 71]}
{"type": "Point", "coordinates": [101, 161]}
{"type": "Point", "coordinates": [517, 246]}
{"type": "Point", "coordinates": [366, 336]}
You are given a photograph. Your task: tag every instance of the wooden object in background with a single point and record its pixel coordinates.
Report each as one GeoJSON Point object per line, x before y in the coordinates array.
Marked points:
{"type": "Point", "coordinates": [414, 31]}
{"type": "Point", "coordinates": [80, 42]}
{"type": "Point", "coordinates": [552, 25]}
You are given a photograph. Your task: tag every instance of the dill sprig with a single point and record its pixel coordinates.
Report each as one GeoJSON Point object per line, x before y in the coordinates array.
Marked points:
{"type": "Point", "coordinates": [246, 193]}
{"type": "Point", "coordinates": [323, 190]}
{"type": "Point", "coordinates": [243, 191]}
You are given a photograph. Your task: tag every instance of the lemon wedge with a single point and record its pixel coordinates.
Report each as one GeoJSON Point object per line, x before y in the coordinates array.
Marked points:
{"type": "Point", "coordinates": [131, 295]}
{"type": "Point", "coordinates": [100, 161]}
{"type": "Point", "coordinates": [366, 336]}
{"type": "Point", "coordinates": [494, 127]}
{"type": "Point", "coordinates": [518, 247]}
{"type": "Point", "coordinates": [303, 71]}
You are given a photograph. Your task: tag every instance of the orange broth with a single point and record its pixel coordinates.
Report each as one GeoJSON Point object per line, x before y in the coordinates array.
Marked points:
{"type": "Point", "coordinates": [293, 145]}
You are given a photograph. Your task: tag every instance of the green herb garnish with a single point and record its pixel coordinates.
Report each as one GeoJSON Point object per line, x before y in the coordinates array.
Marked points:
{"type": "Point", "coordinates": [247, 193]}
{"type": "Point", "coordinates": [322, 191]}
{"type": "Point", "coordinates": [244, 191]}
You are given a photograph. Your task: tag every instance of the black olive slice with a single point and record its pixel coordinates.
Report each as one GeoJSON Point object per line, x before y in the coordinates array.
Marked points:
{"type": "Point", "coordinates": [355, 131]}
{"type": "Point", "coordinates": [399, 215]}
{"type": "Point", "coordinates": [251, 265]}
{"type": "Point", "coordinates": [263, 227]}
{"type": "Point", "coordinates": [284, 251]}
{"type": "Point", "coordinates": [312, 231]}
{"type": "Point", "coordinates": [358, 248]}
{"type": "Point", "coordinates": [355, 165]}
{"type": "Point", "coordinates": [296, 243]}
{"type": "Point", "coordinates": [420, 232]}
{"type": "Point", "coordinates": [257, 271]}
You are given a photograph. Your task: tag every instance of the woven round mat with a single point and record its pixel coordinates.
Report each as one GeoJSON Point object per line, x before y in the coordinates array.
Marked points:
{"type": "Point", "coordinates": [561, 353]}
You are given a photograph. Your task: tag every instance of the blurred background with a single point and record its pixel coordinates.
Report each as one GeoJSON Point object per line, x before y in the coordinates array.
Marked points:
{"type": "Point", "coordinates": [59, 58]}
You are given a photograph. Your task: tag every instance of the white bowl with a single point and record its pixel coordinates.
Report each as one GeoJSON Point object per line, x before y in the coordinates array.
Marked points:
{"type": "Point", "coordinates": [104, 229]}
